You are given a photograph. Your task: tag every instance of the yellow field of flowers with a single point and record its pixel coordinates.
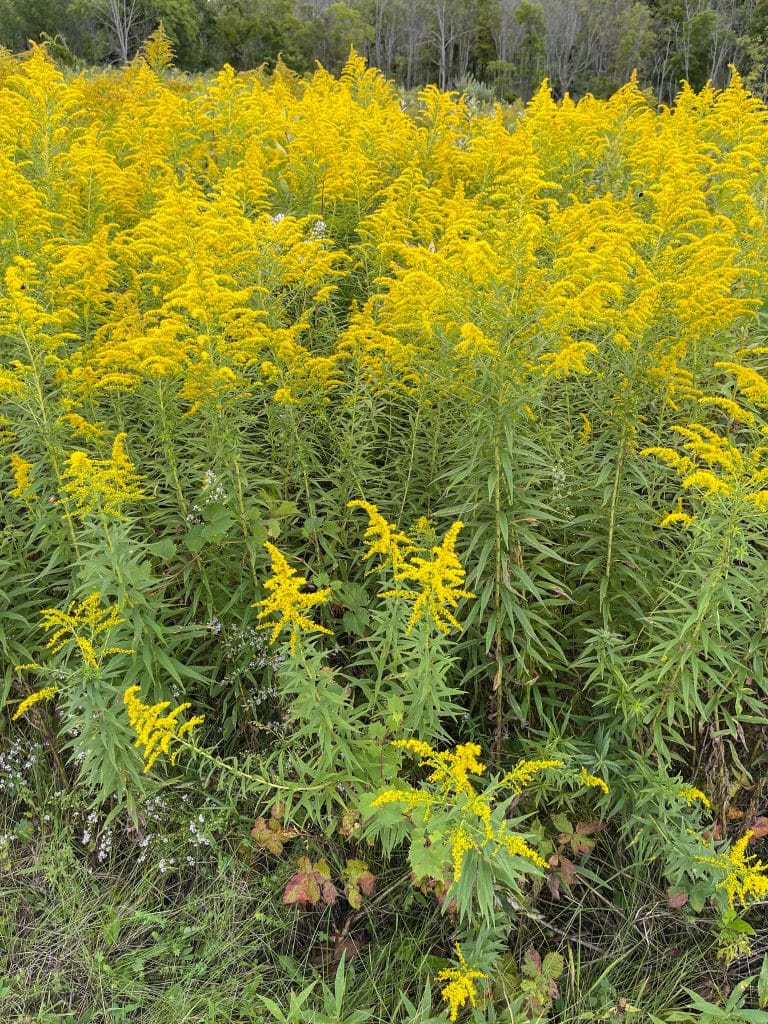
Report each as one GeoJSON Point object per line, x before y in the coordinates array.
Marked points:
{"type": "Point", "coordinates": [531, 346]}
{"type": "Point", "coordinates": [204, 237]}
{"type": "Point", "coordinates": [243, 242]}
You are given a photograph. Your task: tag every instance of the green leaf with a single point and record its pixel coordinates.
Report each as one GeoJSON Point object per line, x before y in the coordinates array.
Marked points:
{"type": "Point", "coordinates": [428, 860]}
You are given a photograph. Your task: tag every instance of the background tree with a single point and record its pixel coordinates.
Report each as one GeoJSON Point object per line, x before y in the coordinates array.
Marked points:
{"type": "Point", "coordinates": [580, 45]}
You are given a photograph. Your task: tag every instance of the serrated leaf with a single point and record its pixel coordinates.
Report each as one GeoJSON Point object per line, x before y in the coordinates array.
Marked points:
{"type": "Point", "coordinates": [311, 884]}
{"type": "Point", "coordinates": [553, 966]}
{"type": "Point", "coordinates": [270, 836]}
{"type": "Point", "coordinates": [427, 861]}
{"type": "Point", "coordinates": [359, 882]}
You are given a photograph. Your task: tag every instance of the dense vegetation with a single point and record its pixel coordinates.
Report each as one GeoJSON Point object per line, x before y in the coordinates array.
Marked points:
{"type": "Point", "coordinates": [497, 48]}
{"type": "Point", "coordinates": [383, 569]}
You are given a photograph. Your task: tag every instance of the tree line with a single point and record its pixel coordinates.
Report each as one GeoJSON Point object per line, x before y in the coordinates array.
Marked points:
{"type": "Point", "coordinates": [495, 48]}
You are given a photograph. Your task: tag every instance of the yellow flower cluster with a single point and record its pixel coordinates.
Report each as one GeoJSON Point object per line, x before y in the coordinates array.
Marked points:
{"type": "Point", "coordinates": [105, 484]}
{"type": "Point", "coordinates": [594, 781]}
{"type": "Point", "coordinates": [438, 578]}
{"type": "Point", "coordinates": [461, 984]}
{"type": "Point", "coordinates": [189, 245]}
{"type": "Point", "coordinates": [46, 693]}
{"type": "Point", "coordinates": [288, 602]}
{"type": "Point", "coordinates": [21, 470]}
{"type": "Point", "coordinates": [452, 787]}
{"type": "Point", "coordinates": [80, 626]}
{"type": "Point", "coordinates": [691, 795]}
{"type": "Point", "coordinates": [524, 771]}
{"type": "Point", "coordinates": [439, 581]}
{"type": "Point", "coordinates": [155, 729]}
{"type": "Point", "coordinates": [384, 539]}
{"type": "Point", "coordinates": [746, 878]}
{"type": "Point", "coordinates": [450, 769]}
{"type": "Point", "coordinates": [713, 466]}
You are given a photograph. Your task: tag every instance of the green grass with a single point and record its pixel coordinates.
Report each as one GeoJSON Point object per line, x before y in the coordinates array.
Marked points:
{"type": "Point", "coordinates": [99, 941]}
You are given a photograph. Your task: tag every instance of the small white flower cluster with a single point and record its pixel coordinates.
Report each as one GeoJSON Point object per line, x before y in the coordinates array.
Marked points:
{"type": "Point", "coordinates": [268, 694]}
{"type": "Point", "coordinates": [98, 840]}
{"type": "Point", "coordinates": [559, 477]}
{"type": "Point", "coordinates": [197, 836]}
{"type": "Point", "coordinates": [155, 843]}
{"type": "Point", "coordinates": [91, 820]}
{"type": "Point", "coordinates": [319, 229]}
{"type": "Point", "coordinates": [15, 764]}
{"type": "Point", "coordinates": [560, 487]}
{"type": "Point", "coordinates": [248, 651]}
{"type": "Point", "coordinates": [6, 838]}
{"type": "Point", "coordinates": [213, 490]}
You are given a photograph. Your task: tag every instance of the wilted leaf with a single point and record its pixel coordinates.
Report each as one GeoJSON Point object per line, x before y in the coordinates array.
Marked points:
{"type": "Point", "coordinates": [349, 823]}
{"type": "Point", "coordinates": [676, 898]}
{"type": "Point", "coordinates": [310, 884]}
{"type": "Point", "coordinates": [588, 828]}
{"type": "Point", "coordinates": [759, 829]}
{"type": "Point", "coordinates": [567, 870]}
{"type": "Point", "coordinates": [359, 882]}
{"type": "Point", "coordinates": [531, 962]}
{"type": "Point", "coordinates": [270, 835]}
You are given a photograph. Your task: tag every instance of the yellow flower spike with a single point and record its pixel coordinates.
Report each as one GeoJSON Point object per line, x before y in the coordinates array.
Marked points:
{"type": "Point", "coordinates": [383, 539]}
{"type": "Point", "coordinates": [450, 769]}
{"type": "Point", "coordinates": [461, 842]}
{"type": "Point", "coordinates": [409, 797]}
{"type": "Point", "coordinates": [516, 846]}
{"type": "Point", "coordinates": [21, 470]}
{"type": "Point", "coordinates": [746, 877]}
{"type": "Point", "coordinates": [106, 484]}
{"type": "Point", "coordinates": [733, 409]}
{"type": "Point", "coordinates": [572, 358]}
{"type": "Point", "coordinates": [440, 581]}
{"type": "Point", "coordinates": [679, 516]}
{"type": "Point", "coordinates": [418, 747]}
{"type": "Point", "coordinates": [705, 480]}
{"type": "Point", "coordinates": [82, 625]}
{"type": "Point", "coordinates": [156, 732]}
{"type": "Point", "coordinates": [482, 809]}
{"type": "Point", "coordinates": [716, 468]}
{"type": "Point", "coordinates": [691, 795]}
{"type": "Point", "coordinates": [34, 698]}
{"type": "Point", "coordinates": [525, 770]}
{"type": "Point", "coordinates": [753, 385]}
{"type": "Point", "coordinates": [592, 780]}
{"type": "Point", "coordinates": [287, 602]}
{"type": "Point", "coordinates": [461, 984]}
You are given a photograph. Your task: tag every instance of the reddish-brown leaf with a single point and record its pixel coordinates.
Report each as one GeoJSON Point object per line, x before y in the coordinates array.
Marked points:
{"type": "Point", "coordinates": [532, 959]}
{"type": "Point", "coordinates": [310, 884]}
{"type": "Point", "coordinates": [676, 898]}
{"type": "Point", "coordinates": [759, 829]}
{"type": "Point", "coordinates": [553, 881]}
{"type": "Point", "coordinates": [588, 828]}
{"type": "Point", "coordinates": [567, 870]}
{"type": "Point", "coordinates": [583, 846]}
{"type": "Point", "coordinates": [270, 835]}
